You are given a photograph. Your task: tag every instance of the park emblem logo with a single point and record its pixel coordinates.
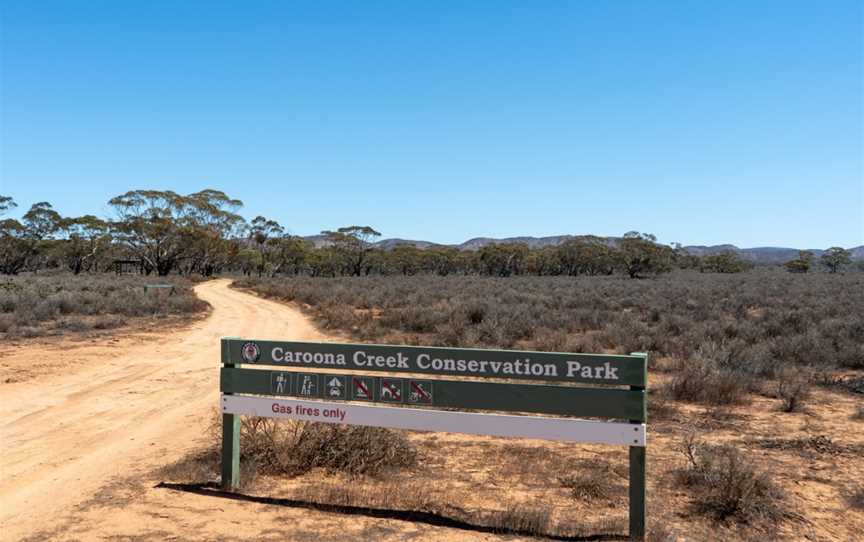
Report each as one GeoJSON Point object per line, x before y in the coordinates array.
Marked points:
{"type": "Point", "coordinates": [250, 352]}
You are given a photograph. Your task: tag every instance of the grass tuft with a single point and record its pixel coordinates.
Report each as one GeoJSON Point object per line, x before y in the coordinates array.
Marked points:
{"type": "Point", "coordinates": [725, 485]}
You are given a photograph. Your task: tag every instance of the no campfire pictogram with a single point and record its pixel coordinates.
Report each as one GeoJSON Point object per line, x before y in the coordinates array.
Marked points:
{"type": "Point", "coordinates": [362, 388]}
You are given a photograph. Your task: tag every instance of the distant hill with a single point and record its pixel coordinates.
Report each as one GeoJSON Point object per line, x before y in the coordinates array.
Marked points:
{"type": "Point", "coordinates": [760, 255]}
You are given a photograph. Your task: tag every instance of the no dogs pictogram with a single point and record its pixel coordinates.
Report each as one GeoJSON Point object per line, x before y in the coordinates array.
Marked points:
{"type": "Point", "coordinates": [391, 390]}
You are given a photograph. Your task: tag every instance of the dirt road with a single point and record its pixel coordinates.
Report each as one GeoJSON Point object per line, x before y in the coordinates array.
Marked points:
{"type": "Point", "coordinates": [112, 408]}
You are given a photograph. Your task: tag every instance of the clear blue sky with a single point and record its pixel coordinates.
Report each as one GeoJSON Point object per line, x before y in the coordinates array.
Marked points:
{"type": "Point", "coordinates": [701, 122]}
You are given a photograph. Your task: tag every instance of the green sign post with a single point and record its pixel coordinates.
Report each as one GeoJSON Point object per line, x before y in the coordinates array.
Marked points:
{"type": "Point", "coordinates": [594, 398]}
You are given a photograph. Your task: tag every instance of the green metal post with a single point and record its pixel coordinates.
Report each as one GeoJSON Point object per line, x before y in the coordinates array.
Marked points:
{"type": "Point", "coordinates": [230, 436]}
{"type": "Point", "coordinates": [637, 472]}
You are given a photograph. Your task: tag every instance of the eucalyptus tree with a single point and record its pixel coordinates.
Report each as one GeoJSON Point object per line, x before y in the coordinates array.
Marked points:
{"type": "Point", "coordinates": [215, 228]}
{"type": "Point", "coordinates": [87, 238]}
{"type": "Point", "coordinates": [353, 244]}
{"type": "Point", "coordinates": [801, 264]}
{"type": "Point", "coordinates": [6, 204]}
{"type": "Point", "coordinates": [639, 254]}
{"type": "Point", "coordinates": [265, 235]}
{"type": "Point", "coordinates": [13, 246]}
{"type": "Point", "coordinates": [503, 260]}
{"type": "Point", "coordinates": [164, 229]}
{"type": "Point", "coordinates": [835, 258]}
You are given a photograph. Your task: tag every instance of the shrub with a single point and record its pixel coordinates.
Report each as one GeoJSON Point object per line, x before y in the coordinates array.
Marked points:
{"type": "Point", "coordinates": [522, 519]}
{"type": "Point", "coordinates": [700, 382]}
{"type": "Point", "coordinates": [725, 485]}
{"type": "Point", "coordinates": [856, 498]}
{"type": "Point", "coordinates": [589, 486]}
{"type": "Point", "coordinates": [793, 388]}
{"type": "Point", "coordinates": [33, 305]}
{"type": "Point", "coordinates": [751, 323]}
{"type": "Point", "coordinates": [292, 447]}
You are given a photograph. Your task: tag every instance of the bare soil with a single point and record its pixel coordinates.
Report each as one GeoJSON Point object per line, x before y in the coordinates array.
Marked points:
{"type": "Point", "coordinates": [85, 441]}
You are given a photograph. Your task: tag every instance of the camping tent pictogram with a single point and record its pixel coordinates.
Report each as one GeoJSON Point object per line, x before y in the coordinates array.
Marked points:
{"type": "Point", "coordinates": [336, 388]}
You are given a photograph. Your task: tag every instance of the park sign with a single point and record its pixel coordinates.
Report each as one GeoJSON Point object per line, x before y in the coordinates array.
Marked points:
{"type": "Point", "coordinates": [570, 397]}
{"type": "Point", "coordinates": [468, 362]}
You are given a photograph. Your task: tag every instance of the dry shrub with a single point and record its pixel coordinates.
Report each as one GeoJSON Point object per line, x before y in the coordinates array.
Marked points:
{"type": "Point", "coordinates": [701, 382]}
{"type": "Point", "coordinates": [859, 414]}
{"type": "Point", "coordinates": [855, 499]}
{"type": "Point", "coordinates": [38, 305]}
{"type": "Point", "coordinates": [725, 485]}
{"type": "Point", "coordinates": [760, 321]}
{"type": "Point", "coordinates": [660, 408]}
{"type": "Point", "coordinates": [793, 388]}
{"type": "Point", "coordinates": [594, 479]}
{"type": "Point", "coordinates": [590, 486]}
{"type": "Point", "coordinates": [199, 467]}
{"type": "Point", "coordinates": [522, 518]}
{"type": "Point", "coordinates": [295, 447]}
{"type": "Point", "coordinates": [386, 494]}
{"type": "Point", "coordinates": [818, 445]}
{"type": "Point", "coordinates": [660, 533]}
{"type": "Point", "coordinates": [204, 465]}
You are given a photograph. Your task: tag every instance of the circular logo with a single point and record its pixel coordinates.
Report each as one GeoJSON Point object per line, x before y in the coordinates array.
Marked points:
{"type": "Point", "coordinates": [251, 352]}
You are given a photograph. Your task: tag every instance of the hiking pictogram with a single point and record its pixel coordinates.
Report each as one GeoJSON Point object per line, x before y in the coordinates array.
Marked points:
{"type": "Point", "coordinates": [280, 383]}
{"type": "Point", "coordinates": [307, 385]}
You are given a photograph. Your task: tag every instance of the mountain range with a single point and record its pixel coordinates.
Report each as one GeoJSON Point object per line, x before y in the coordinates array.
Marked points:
{"type": "Point", "coordinates": [760, 255]}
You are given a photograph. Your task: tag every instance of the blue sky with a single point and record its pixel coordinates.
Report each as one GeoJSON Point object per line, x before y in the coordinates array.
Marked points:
{"type": "Point", "coordinates": [701, 122]}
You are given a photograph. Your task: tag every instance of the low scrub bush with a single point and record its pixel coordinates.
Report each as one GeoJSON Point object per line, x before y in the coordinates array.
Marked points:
{"type": "Point", "coordinates": [725, 485]}
{"type": "Point", "coordinates": [856, 499]}
{"type": "Point", "coordinates": [793, 388]}
{"type": "Point", "coordinates": [701, 382]}
{"type": "Point", "coordinates": [748, 324]}
{"type": "Point", "coordinates": [292, 447]}
{"type": "Point", "coordinates": [32, 306]}
{"type": "Point", "coordinates": [589, 486]}
{"type": "Point", "coordinates": [522, 519]}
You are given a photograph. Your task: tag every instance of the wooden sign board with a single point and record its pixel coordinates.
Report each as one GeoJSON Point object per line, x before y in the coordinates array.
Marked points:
{"type": "Point", "coordinates": [599, 369]}
{"type": "Point", "coordinates": [440, 389]}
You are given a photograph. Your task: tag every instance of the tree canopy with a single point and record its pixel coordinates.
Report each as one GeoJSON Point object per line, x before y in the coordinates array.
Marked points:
{"type": "Point", "coordinates": [203, 233]}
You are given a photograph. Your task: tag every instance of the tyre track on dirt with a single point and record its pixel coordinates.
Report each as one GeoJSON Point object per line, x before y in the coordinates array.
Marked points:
{"type": "Point", "coordinates": [132, 405]}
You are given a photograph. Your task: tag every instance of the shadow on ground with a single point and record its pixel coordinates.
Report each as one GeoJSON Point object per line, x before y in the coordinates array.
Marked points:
{"type": "Point", "coordinates": [430, 518]}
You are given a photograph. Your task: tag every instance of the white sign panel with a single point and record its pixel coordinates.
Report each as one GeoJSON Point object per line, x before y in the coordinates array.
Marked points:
{"type": "Point", "coordinates": [499, 425]}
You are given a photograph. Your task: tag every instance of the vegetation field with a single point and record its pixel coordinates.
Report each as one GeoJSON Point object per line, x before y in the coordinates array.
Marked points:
{"type": "Point", "coordinates": [59, 304]}
{"type": "Point", "coordinates": [754, 323]}
{"type": "Point", "coordinates": [756, 381]}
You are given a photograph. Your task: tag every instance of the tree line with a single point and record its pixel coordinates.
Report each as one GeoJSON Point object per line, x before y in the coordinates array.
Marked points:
{"type": "Point", "coordinates": [163, 232]}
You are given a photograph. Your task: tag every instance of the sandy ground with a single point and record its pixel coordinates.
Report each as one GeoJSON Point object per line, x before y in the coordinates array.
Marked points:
{"type": "Point", "coordinates": [112, 408]}
{"type": "Point", "coordinates": [86, 430]}
{"type": "Point", "coordinates": [85, 433]}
